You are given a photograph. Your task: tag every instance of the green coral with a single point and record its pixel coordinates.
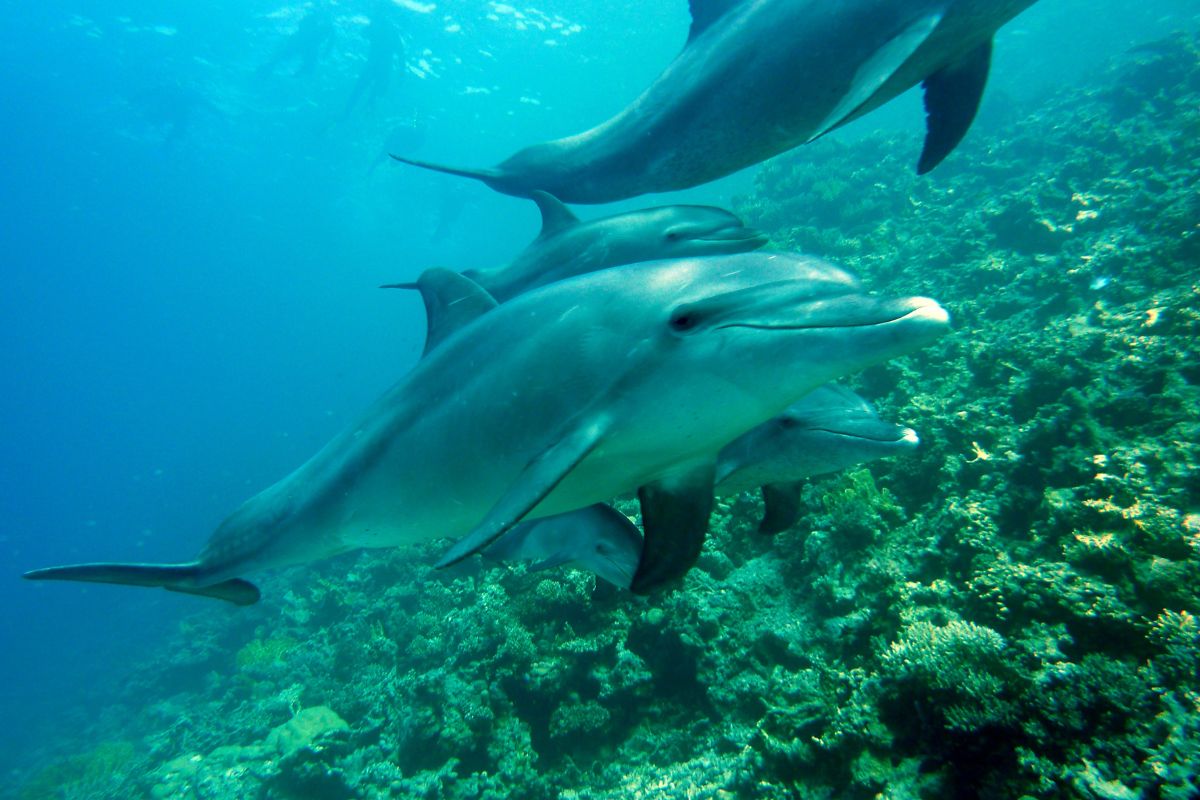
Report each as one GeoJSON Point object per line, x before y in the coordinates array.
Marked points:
{"type": "Point", "coordinates": [264, 654]}
{"type": "Point", "coordinates": [960, 671]}
{"type": "Point", "coordinates": [99, 772]}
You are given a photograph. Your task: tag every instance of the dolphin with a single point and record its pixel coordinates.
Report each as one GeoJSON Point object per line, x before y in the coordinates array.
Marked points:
{"type": "Point", "coordinates": [759, 77]}
{"type": "Point", "coordinates": [827, 430]}
{"type": "Point", "coordinates": [629, 378]}
{"type": "Point", "coordinates": [567, 246]}
{"type": "Point", "coordinates": [598, 538]}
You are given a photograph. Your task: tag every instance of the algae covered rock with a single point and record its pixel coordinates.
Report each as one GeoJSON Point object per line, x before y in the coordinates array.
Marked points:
{"type": "Point", "coordinates": [304, 729]}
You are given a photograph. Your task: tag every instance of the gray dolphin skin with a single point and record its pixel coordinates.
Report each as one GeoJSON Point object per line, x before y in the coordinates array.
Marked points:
{"type": "Point", "coordinates": [629, 378]}
{"type": "Point", "coordinates": [567, 246]}
{"type": "Point", "coordinates": [598, 538]}
{"type": "Point", "coordinates": [827, 430]}
{"type": "Point", "coordinates": [759, 77]}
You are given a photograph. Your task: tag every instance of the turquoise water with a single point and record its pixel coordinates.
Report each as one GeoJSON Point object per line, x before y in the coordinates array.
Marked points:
{"type": "Point", "coordinates": [192, 237]}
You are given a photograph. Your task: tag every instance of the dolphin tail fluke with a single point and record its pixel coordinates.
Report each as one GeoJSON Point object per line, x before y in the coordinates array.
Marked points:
{"type": "Point", "coordinates": [486, 174]}
{"type": "Point", "coordinates": [172, 577]}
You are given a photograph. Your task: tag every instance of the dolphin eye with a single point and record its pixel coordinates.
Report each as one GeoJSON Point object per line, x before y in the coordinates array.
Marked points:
{"type": "Point", "coordinates": [673, 235]}
{"type": "Point", "coordinates": [684, 320]}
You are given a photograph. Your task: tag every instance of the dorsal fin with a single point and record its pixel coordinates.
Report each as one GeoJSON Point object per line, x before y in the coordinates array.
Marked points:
{"type": "Point", "coordinates": [451, 301]}
{"type": "Point", "coordinates": [706, 12]}
{"type": "Point", "coordinates": [555, 215]}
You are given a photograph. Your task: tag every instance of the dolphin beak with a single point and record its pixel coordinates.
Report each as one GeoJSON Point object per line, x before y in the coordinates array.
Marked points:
{"type": "Point", "coordinates": [918, 314]}
{"type": "Point", "coordinates": [745, 237]}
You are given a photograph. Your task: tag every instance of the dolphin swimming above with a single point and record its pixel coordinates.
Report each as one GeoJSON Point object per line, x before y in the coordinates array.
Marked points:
{"type": "Point", "coordinates": [567, 246]}
{"type": "Point", "coordinates": [629, 378]}
{"type": "Point", "coordinates": [827, 430]}
{"type": "Point", "coordinates": [759, 77]}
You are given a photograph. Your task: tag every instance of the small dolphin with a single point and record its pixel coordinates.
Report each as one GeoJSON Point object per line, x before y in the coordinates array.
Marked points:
{"type": "Point", "coordinates": [759, 77]}
{"type": "Point", "coordinates": [598, 538]}
{"type": "Point", "coordinates": [629, 378]}
{"type": "Point", "coordinates": [827, 430]}
{"type": "Point", "coordinates": [567, 247]}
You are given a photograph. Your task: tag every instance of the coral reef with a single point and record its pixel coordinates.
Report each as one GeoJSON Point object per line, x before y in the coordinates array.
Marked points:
{"type": "Point", "coordinates": [1011, 612]}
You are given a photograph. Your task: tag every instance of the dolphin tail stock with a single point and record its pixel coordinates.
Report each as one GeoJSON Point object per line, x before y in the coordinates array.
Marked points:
{"type": "Point", "coordinates": [172, 577]}
{"type": "Point", "coordinates": [486, 174]}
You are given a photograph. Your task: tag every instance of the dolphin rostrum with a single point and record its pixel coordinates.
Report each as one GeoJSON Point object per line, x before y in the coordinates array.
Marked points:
{"type": "Point", "coordinates": [567, 246]}
{"type": "Point", "coordinates": [759, 77]}
{"type": "Point", "coordinates": [629, 378]}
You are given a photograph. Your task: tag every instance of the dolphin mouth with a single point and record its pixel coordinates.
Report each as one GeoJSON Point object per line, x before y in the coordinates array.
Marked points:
{"type": "Point", "coordinates": [907, 436]}
{"type": "Point", "coordinates": [927, 311]}
{"type": "Point", "coordinates": [736, 235]}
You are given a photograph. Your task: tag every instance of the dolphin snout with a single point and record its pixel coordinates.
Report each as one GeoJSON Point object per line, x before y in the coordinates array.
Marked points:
{"type": "Point", "coordinates": [925, 317]}
{"type": "Point", "coordinates": [741, 234]}
{"type": "Point", "coordinates": [927, 309]}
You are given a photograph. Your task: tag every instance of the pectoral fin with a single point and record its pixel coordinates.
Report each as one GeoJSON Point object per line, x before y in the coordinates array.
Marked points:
{"type": "Point", "coordinates": [781, 503]}
{"type": "Point", "coordinates": [537, 480]}
{"type": "Point", "coordinates": [952, 96]}
{"type": "Point", "coordinates": [675, 514]}
{"type": "Point", "coordinates": [873, 73]}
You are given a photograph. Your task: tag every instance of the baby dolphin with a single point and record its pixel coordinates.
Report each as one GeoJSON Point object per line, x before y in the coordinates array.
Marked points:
{"type": "Point", "coordinates": [629, 378]}
{"type": "Point", "coordinates": [827, 430]}
{"type": "Point", "coordinates": [759, 77]}
{"type": "Point", "coordinates": [566, 246]}
{"type": "Point", "coordinates": [598, 538]}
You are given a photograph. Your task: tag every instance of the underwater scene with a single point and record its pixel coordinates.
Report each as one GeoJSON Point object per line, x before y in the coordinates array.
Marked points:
{"type": "Point", "coordinates": [688, 399]}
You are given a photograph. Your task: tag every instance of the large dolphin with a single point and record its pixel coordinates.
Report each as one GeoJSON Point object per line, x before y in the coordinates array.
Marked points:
{"type": "Point", "coordinates": [629, 378]}
{"type": "Point", "coordinates": [759, 77]}
{"type": "Point", "coordinates": [567, 246]}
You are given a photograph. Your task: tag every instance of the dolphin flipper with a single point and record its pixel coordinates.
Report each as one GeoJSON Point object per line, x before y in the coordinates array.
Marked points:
{"type": "Point", "coordinates": [952, 96]}
{"type": "Point", "coordinates": [675, 520]}
{"type": "Point", "coordinates": [172, 577]}
{"type": "Point", "coordinates": [875, 71]}
{"type": "Point", "coordinates": [781, 502]}
{"type": "Point", "coordinates": [537, 480]}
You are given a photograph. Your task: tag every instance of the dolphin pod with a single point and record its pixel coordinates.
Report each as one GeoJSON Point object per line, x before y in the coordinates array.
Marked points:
{"type": "Point", "coordinates": [827, 430]}
{"type": "Point", "coordinates": [759, 77]}
{"type": "Point", "coordinates": [632, 378]}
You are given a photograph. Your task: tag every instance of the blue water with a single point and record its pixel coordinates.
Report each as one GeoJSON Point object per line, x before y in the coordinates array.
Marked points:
{"type": "Point", "coordinates": [190, 249]}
